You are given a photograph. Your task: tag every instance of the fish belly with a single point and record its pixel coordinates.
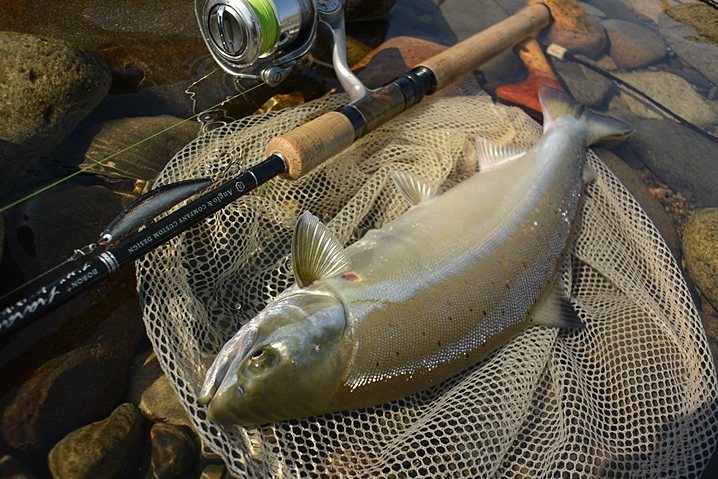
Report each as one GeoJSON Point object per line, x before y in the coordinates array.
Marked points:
{"type": "Point", "coordinates": [454, 278]}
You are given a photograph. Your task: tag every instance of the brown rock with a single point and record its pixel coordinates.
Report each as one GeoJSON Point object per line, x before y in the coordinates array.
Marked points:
{"type": "Point", "coordinates": [633, 46]}
{"type": "Point", "coordinates": [574, 29]}
{"type": "Point", "coordinates": [700, 247]}
{"type": "Point", "coordinates": [160, 403]}
{"type": "Point", "coordinates": [10, 468]}
{"type": "Point", "coordinates": [174, 453]}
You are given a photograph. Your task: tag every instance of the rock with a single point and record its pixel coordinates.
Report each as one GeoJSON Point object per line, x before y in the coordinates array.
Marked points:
{"type": "Point", "coordinates": [700, 248]}
{"type": "Point", "coordinates": [574, 29]}
{"type": "Point", "coordinates": [607, 63]}
{"type": "Point", "coordinates": [591, 10]}
{"type": "Point", "coordinates": [687, 44]}
{"type": "Point", "coordinates": [633, 46]}
{"type": "Point", "coordinates": [649, 8]}
{"type": "Point", "coordinates": [174, 453]}
{"type": "Point", "coordinates": [367, 9]}
{"type": "Point", "coordinates": [680, 157]}
{"type": "Point", "coordinates": [74, 388]}
{"type": "Point", "coordinates": [463, 25]}
{"type": "Point", "coordinates": [10, 468]}
{"type": "Point", "coordinates": [703, 18]}
{"type": "Point", "coordinates": [669, 90]}
{"type": "Point", "coordinates": [587, 87]}
{"type": "Point", "coordinates": [618, 9]}
{"type": "Point", "coordinates": [144, 371]}
{"type": "Point", "coordinates": [651, 206]}
{"type": "Point", "coordinates": [213, 472]}
{"type": "Point", "coordinates": [160, 403]}
{"type": "Point", "coordinates": [104, 449]}
{"type": "Point", "coordinates": [144, 161]}
{"type": "Point", "coordinates": [427, 22]}
{"type": "Point", "coordinates": [46, 89]}
{"type": "Point", "coordinates": [710, 324]}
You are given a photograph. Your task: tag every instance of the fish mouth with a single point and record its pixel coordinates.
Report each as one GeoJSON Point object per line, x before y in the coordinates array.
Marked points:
{"type": "Point", "coordinates": [229, 357]}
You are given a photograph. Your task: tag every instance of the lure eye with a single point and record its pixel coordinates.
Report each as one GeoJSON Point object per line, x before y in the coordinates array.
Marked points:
{"type": "Point", "coordinates": [261, 360]}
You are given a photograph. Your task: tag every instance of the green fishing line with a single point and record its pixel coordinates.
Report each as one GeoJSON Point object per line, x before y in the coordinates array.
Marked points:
{"type": "Point", "coordinates": [268, 22]}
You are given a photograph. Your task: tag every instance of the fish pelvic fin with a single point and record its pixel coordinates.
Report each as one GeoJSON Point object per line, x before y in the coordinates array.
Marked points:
{"type": "Point", "coordinates": [414, 189]}
{"type": "Point", "coordinates": [316, 252]}
{"type": "Point", "coordinates": [555, 309]}
{"type": "Point", "coordinates": [556, 104]}
{"type": "Point", "coordinates": [490, 155]}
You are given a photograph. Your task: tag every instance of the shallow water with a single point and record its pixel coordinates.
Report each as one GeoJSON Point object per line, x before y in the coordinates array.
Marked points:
{"type": "Point", "coordinates": [155, 53]}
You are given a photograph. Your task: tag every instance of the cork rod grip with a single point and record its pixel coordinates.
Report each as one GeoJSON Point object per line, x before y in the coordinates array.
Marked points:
{"type": "Point", "coordinates": [309, 145]}
{"type": "Point", "coordinates": [468, 55]}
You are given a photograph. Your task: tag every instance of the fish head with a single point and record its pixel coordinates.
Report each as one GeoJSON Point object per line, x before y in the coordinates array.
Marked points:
{"type": "Point", "coordinates": [283, 364]}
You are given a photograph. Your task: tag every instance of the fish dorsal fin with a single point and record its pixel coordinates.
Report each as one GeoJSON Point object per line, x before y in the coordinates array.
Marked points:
{"type": "Point", "coordinates": [555, 309]}
{"type": "Point", "coordinates": [415, 190]}
{"type": "Point", "coordinates": [491, 155]}
{"type": "Point", "coordinates": [316, 252]}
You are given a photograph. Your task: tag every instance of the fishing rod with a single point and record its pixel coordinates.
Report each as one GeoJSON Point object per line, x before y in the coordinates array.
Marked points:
{"type": "Point", "coordinates": [292, 155]}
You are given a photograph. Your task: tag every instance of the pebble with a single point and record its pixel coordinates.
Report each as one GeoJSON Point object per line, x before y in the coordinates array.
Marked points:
{"type": "Point", "coordinates": [633, 182]}
{"type": "Point", "coordinates": [573, 29]}
{"type": "Point", "coordinates": [101, 450]}
{"type": "Point", "coordinates": [47, 88]}
{"type": "Point", "coordinates": [690, 48]}
{"type": "Point", "coordinates": [587, 87]}
{"type": "Point", "coordinates": [700, 247]}
{"type": "Point", "coordinates": [669, 90]}
{"type": "Point", "coordinates": [633, 46]}
{"type": "Point", "coordinates": [160, 403]}
{"type": "Point", "coordinates": [174, 453]}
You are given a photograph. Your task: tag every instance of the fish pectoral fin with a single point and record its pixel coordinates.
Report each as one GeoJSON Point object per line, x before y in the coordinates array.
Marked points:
{"type": "Point", "coordinates": [491, 155]}
{"type": "Point", "coordinates": [555, 309]}
{"type": "Point", "coordinates": [316, 252]}
{"type": "Point", "coordinates": [413, 189]}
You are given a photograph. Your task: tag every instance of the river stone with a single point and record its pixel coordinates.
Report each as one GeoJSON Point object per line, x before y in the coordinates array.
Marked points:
{"type": "Point", "coordinates": [160, 403]}
{"type": "Point", "coordinates": [101, 450]}
{"type": "Point", "coordinates": [633, 46]}
{"type": "Point", "coordinates": [144, 371]}
{"type": "Point", "coordinates": [678, 156]}
{"type": "Point", "coordinates": [669, 90]}
{"type": "Point", "coordinates": [174, 453]}
{"type": "Point", "coordinates": [700, 247]}
{"type": "Point", "coordinates": [77, 387]}
{"type": "Point", "coordinates": [591, 10]}
{"type": "Point", "coordinates": [46, 89]}
{"type": "Point", "coordinates": [699, 16]}
{"type": "Point", "coordinates": [688, 45]}
{"type": "Point", "coordinates": [650, 205]}
{"type": "Point", "coordinates": [710, 324]}
{"type": "Point", "coordinates": [587, 87]}
{"type": "Point", "coordinates": [367, 9]}
{"type": "Point", "coordinates": [10, 468]}
{"type": "Point", "coordinates": [213, 471]}
{"type": "Point", "coordinates": [573, 29]}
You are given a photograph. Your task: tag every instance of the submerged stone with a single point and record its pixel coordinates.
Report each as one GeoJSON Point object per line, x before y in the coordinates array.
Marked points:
{"type": "Point", "coordinates": [690, 47]}
{"type": "Point", "coordinates": [574, 29]}
{"type": "Point", "coordinates": [700, 247]}
{"type": "Point", "coordinates": [160, 403]}
{"type": "Point", "coordinates": [699, 16]}
{"type": "Point", "coordinates": [633, 46]}
{"type": "Point", "coordinates": [174, 453]}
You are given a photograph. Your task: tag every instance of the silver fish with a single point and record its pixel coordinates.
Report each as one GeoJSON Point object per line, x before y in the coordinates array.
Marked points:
{"type": "Point", "coordinates": [425, 296]}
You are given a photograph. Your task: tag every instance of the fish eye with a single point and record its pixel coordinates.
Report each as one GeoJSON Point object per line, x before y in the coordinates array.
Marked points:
{"type": "Point", "coordinates": [258, 355]}
{"type": "Point", "coordinates": [261, 360]}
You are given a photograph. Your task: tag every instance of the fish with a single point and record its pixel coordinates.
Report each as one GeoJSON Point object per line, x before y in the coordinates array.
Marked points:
{"type": "Point", "coordinates": [425, 296]}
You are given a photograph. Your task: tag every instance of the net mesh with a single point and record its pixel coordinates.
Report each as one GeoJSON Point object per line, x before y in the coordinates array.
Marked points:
{"type": "Point", "coordinates": [632, 395]}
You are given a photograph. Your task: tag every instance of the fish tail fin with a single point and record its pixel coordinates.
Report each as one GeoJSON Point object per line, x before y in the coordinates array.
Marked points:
{"type": "Point", "coordinates": [556, 104]}
{"type": "Point", "coordinates": [555, 309]}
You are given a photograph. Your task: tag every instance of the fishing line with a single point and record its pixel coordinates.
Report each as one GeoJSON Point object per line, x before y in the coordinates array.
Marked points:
{"type": "Point", "coordinates": [268, 22]}
{"type": "Point", "coordinates": [98, 162]}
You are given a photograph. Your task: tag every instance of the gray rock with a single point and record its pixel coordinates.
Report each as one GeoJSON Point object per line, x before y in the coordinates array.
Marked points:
{"type": "Point", "coordinates": [591, 10]}
{"type": "Point", "coordinates": [463, 25]}
{"type": "Point", "coordinates": [686, 43]}
{"type": "Point", "coordinates": [700, 247]}
{"type": "Point", "coordinates": [633, 46]}
{"type": "Point", "coordinates": [710, 324]}
{"type": "Point", "coordinates": [669, 90]}
{"type": "Point", "coordinates": [367, 9]}
{"type": "Point", "coordinates": [10, 468]}
{"type": "Point", "coordinates": [174, 453]}
{"type": "Point", "coordinates": [46, 89]}
{"type": "Point", "coordinates": [617, 9]}
{"type": "Point", "coordinates": [160, 403]}
{"type": "Point", "coordinates": [101, 450]}
{"type": "Point", "coordinates": [74, 388]}
{"type": "Point", "coordinates": [651, 206]}
{"type": "Point", "coordinates": [587, 87]}
{"type": "Point", "coordinates": [144, 371]}
{"type": "Point", "coordinates": [144, 161]}
{"type": "Point", "coordinates": [680, 157]}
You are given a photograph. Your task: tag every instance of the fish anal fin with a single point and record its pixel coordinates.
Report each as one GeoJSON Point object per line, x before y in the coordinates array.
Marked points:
{"type": "Point", "coordinates": [316, 252]}
{"type": "Point", "coordinates": [555, 309]}
{"type": "Point", "coordinates": [491, 155]}
{"type": "Point", "coordinates": [413, 189]}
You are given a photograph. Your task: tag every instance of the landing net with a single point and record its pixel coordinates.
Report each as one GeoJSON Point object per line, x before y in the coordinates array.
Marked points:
{"type": "Point", "coordinates": [632, 395]}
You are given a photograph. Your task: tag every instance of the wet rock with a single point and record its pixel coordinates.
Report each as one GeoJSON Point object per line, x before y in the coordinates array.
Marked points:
{"type": "Point", "coordinates": [669, 90]}
{"type": "Point", "coordinates": [574, 29]}
{"type": "Point", "coordinates": [213, 472]}
{"type": "Point", "coordinates": [160, 403]}
{"type": "Point", "coordinates": [633, 46]}
{"type": "Point", "coordinates": [651, 206]}
{"type": "Point", "coordinates": [700, 247]}
{"type": "Point", "coordinates": [678, 156]}
{"type": "Point", "coordinates": [367, 9]}
{"type": "Point", "coordinates": [710, 324]}
{"type": "Point", "coordinates": [464, 25]}
{"type": "Point", "coordinates": [649, 8]}
{"type": "Point", "coordinates": [104, 449]}
{"type": "Point", "coordinates": [74, 388]}
{"type": "Point", "coordinates": [46, 89]}
{"type": "Point", "coordinates": [10, 468]}
{"type": "Point", "coordinates": [144, 161]}
{"type": "Point", "coordinates": [699, 16]}
{"type": "Point", "coordinates": [174, 453]}
{"type": "Point", "coordinates": [144, 371]}
{"type": "Point", "coordinates": [427, 22]}
{"type": "Point", "coordinates": [587, 87]}
{"type": "Point", "coordinates": [618, 9]}
{"type": "Point", "coordinates": [690, 47]}
{"type": "Point", "coordinates": [591, 10]}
